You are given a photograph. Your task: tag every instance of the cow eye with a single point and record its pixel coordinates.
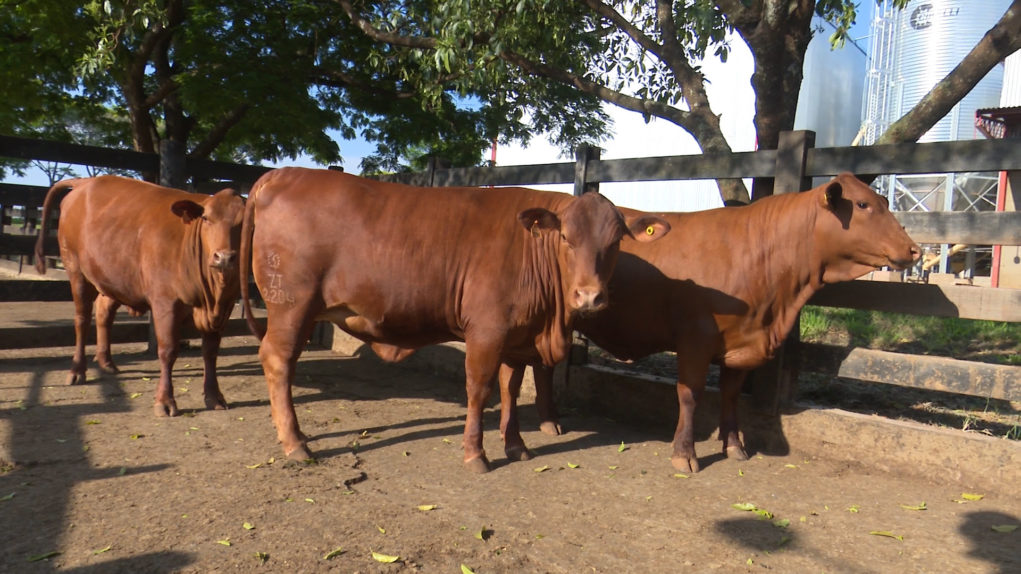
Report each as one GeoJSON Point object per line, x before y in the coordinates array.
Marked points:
{"type": "Point", "coordinates": [863, 205]}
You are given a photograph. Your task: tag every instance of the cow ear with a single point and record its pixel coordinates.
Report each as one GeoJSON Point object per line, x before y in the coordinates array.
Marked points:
{"type": "Point", "coordinates": [648, 228]}
{"type": "Point", "coordinates": [537, 219]}
{"type": "Point", "coordinates": [832, 195]}
{"type": "Point", "coordinates": [187, 210]}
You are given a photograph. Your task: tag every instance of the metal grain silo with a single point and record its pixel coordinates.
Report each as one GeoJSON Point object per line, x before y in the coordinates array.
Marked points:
{"type": "Point", "coordinates": [914, 48]}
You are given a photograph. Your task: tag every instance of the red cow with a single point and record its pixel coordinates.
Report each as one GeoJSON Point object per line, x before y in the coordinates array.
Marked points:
{"type": "Point", "coordinates": [128, 242]}
{"type": "Point", "coordinates": [728, 287]}
{"type": "Point", "coordinates": [401, 267]}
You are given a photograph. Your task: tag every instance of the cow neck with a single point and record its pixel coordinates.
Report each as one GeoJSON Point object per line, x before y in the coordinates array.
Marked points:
{"type": "Point", "coordinates": [207, 313]}
{"type": "Point", "coordinates": [543, 293]}
{"type": "Point", "coordinates": [792, 269]}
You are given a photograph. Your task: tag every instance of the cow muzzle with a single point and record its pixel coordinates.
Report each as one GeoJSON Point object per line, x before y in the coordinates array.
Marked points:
{"type": "Point", "coordinates": [589, 299]}
{"type": "Point", "coordinates": [224, 259]}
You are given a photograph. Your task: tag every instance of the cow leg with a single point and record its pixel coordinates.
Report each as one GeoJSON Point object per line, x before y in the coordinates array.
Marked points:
{"type": "Point", "coordinates": [84, 295]}
{"type": "Point", "coordinates": [730, 389]}
{"type": "Point", "coordinates": [106, 309]}
{"type": "Point", "coordinates": [481, 362]}
{"type": "Point", "coordinates": [548, 416]}
{"type": "Point", "coordinates": [210, 384]}
{"type": "Point", "coordinates": [690, 384]}
{"type": "Point", "coordinates": [165, 325]}
{"type": "Point", "coordinates": [510, 427]}
{"type": "Point", "coordinates": [279, 352]}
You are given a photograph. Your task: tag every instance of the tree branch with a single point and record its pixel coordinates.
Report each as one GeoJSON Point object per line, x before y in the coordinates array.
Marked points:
{"type": "Point", "coordinates": [376, 34]}
{"type": "Point", "coordinates": [216, 135]}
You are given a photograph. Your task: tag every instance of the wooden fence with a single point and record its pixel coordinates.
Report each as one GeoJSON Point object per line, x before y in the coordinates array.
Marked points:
{"type": "Point", "coordinates": [792, 168]}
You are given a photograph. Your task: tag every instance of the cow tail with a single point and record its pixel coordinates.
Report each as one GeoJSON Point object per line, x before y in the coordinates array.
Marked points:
{"type": "Point", "coordinates": [44, 218]}
{"type": "Point", "coordinates": [245, 265]}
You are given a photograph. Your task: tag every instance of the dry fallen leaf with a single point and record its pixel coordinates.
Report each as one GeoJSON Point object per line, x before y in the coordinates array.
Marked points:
{"type": "Point", "coordinates": [384, 558]}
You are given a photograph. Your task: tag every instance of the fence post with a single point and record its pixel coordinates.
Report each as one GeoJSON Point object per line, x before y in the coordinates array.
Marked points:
{"type": "Point", "coordinates": [775, 384]}
{"type": "Point", "coordinates": [582, 156]}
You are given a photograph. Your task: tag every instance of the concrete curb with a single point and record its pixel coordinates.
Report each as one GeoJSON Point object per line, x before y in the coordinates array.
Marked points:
{"type": "Point", "coordinates": [972, 461]}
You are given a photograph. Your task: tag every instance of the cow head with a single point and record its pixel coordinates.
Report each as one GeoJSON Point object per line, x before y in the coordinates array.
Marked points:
{"type": "Point", "coordinates": [587, 236]}
{"type": "Point", "coordinates": [220, 226]}
{"type": "Point", "coordinates": [856, 232]}
{"type": "Point", "coordinates": [217, 239]}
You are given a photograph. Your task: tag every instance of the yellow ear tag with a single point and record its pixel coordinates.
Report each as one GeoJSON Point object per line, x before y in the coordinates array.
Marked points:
{"type": "Point", "coordinates": [650, 230]}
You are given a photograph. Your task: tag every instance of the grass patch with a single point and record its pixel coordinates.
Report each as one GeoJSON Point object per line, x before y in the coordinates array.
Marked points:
{"type": "Point", "coordinates": [986, 341]}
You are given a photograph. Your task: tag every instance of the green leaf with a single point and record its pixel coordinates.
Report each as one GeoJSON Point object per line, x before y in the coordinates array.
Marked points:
{"type": "Point", "coordinates": [134, 395]}
{"type": "Point", "coordinates": [782, 522]}
{"type": "Point", "coordinates": [93, 422]}
{"type": "Point", "coordinates": [46, 556]}
{"type": "Point", "coordinates": [102, 550]}
{"type": "Point", "coordinates": [225, 541]}
{"type": "Point", "coordinates": [310, 500]}
{"type": "Point", "coordinates": [622, 447]}
{"type": "Point", "coordinates": [853, 509]}
{"type": "Point", "coordinates": [743, 506]}
{"type": "Point", "coordinates": [137, 436]}
{"type": "Point", "coordinates": [381, 529]}
{"type": "Point", "coordinates": [484, 534]}
{"type": "Point", "coordinates": [262, 556]}
{"type": "Point", "coordinates": [972, 497]}
{"type": "Point", "coordinates": [679, 475]}
{"type": "Point", "coordinates": [790, 466]}
{"type": "Point", "coordinates": [1005, 528]}
{"type": "Point", "coordinates": [763, 513]}
{"type": "Point", "coordinates": [572, 465]}
{"type": "Point", "coordinates": [7, 497]}
{"type": "Point", "coordinates": [466, 570]}
{"type": "Point", "coordinates": [248, 526]}
{"type": "Point", "coordinates": [887, 533]}
{"type": "Point", "coordinates": [384, 558]}
{"type": "Point", "coordinates": [426, 507]}
{"type": "Point", "coordinates": [542, 468]}
{"type": "Point", "coordinates": [613, 467]}
{"type": "Point", "coordinates": [916, 507]}
{"type": "Point", "coordinates": [334, 553]}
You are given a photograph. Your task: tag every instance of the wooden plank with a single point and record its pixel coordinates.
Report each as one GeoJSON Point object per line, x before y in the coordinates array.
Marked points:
{"type": "Point", "coordinates": [124, 332]}
{"type": "Point", "coordinates": [968, 227]}
{"type": "Point", "coordinates": [18, 194]}
{"type": "Point", "coordinates": [20, 290]}
{"type": "Point", "coordinates": [208, 169]}
{"type": "Point", "coordinates": [26, 148]}
{"type": "Point", "coordinates": [964, 301]}
{"type": "Point", "coordinates": [937, 157]}
{"type": "Point", "coordinates": [539, 174]}
{"type": "Point", "coordinates": [697, 166]}
{"type": "Point", "coordinates": [25, 245]}
{"type": "Point", "coordinates": [917, 371]}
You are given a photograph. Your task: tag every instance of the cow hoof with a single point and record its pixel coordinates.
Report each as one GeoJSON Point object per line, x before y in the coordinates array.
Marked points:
{"type": "Point", "coordinates": [551, 428]}
{"type": "Point", "coordinates": [109, 368]}
{"type": "Point", "coordinates": [216, 403]}
{"type": "Point", "coordinates": [165, 409]}
{"type": "Point", "coordinates": [684, 464]}
{"type": "Point", "coordinates": [76, 378]}
{"type": "Point", "coordinates": [300, 454]}
{"type": "Point", "coordinates": [518, 453]}
{"type": "Point", "coordinates": [736, 453]}
{"type": "Point", "coordinates": [477, 465]}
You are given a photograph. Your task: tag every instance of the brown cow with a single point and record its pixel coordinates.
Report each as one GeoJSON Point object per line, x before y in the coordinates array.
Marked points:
{"type": "Point", "coordinates": [728, 287]}
{"type": "Point", "coordinates": [128, 242]}
{"type": "Point", "coordinates": [401, 267]}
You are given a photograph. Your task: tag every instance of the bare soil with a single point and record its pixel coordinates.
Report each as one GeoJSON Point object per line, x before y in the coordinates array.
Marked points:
{"type": "Point", "coordinates": [91, 481]}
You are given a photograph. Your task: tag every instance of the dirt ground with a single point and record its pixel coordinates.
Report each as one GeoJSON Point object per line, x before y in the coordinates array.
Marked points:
{"type": "Point", "coordinates": [91, 481]}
